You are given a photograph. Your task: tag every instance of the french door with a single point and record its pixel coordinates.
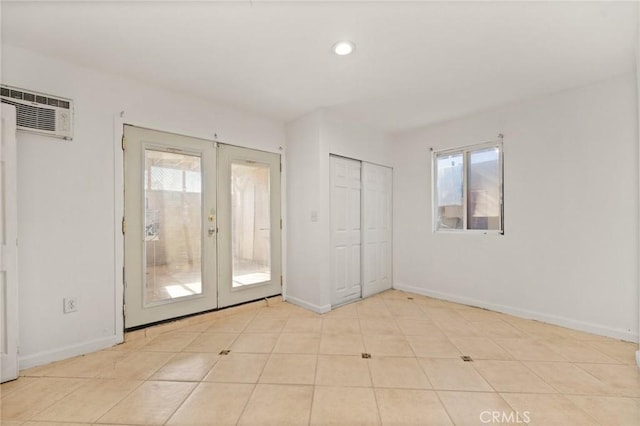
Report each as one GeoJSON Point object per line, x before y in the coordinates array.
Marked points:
{"type": "Point", "coordinates": [202, 225]}
{"type": "Point", "coordinates": [249, 242]}
{"type": "Point", "coordinates": [170, 226]}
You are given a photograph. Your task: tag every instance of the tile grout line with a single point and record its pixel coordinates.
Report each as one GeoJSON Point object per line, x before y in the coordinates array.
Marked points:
{"type": "Point", "coordinates": [538, 375]}
{"type": "Point", "coordinates": [315, 379]}
{"type": "Point", "coordinates": [246, 404]}
{"type": "Point", "coordinates": [373, 387]}
{"type": "Point", "coordinates": [255, 385]}
{"type": "Point", "coordinates": [182, 403]}
{"type": "Point", "coordinates": [57, 400]}
{"type": "Point", "coordinates": [444, 407]}
{"type": "Point", "coordinates": [142, 382]}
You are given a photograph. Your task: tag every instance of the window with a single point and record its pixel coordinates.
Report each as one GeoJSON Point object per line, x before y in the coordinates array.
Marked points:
{"type": "Point", "coordinates": [168, 171]}
{"type": "Point", "coordinates": [467, 188]}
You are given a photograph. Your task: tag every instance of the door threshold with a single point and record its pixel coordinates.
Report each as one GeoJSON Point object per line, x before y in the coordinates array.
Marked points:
{"type": "Point", "coordinates": [209, 312]}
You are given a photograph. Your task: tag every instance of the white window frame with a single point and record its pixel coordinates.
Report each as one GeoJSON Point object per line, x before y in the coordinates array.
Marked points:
{"type": "Point", "coordinates": [465, 151]}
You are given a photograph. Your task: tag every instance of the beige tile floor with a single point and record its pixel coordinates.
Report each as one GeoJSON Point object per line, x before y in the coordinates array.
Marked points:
{"type": "Point", "coordinates": [288, 366]}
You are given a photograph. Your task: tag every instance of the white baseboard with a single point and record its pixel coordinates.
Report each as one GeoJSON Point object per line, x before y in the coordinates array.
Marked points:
{"type": "Point", "coordinates": [524, 313]}
{"type": "Point", "coordinates": [58, 354]}
{"type": "Point", "coordinates": [310, 306]}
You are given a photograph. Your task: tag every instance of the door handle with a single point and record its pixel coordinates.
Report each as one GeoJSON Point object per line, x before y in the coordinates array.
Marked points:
{"type": "Point", "coordinates": [212, 230]}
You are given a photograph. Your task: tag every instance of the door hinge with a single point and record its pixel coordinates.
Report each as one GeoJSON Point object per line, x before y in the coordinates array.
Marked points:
{"type": "Point", "coordinates": [124, 310]}
{"type": "Point", "coordinates": [124, 142]}
{"type": "Point", "coordinates": [124, 226]}
{"type": "Point", "coordinates": [281, 280]}
{"type": "Point", "coordinates": [280, 167]}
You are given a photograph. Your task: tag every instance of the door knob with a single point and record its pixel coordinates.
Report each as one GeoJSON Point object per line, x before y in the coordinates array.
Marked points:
{"type": "Point", "coordinates": [212, 231]}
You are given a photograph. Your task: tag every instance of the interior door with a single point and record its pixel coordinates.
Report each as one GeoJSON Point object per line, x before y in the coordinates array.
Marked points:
{"type": "Point", "coordinates": [249, 225]}
{"type": "Point", "coordinates": [377, 236]}
{"type": "Point", "coordinates": [170, 226]}
{"type": "Point", "coordinates": [346, 232]}
{"type": "Point", "coordinates": [8, 247]}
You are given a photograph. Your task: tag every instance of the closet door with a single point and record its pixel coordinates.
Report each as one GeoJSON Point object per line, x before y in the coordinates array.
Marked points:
{"type": "Point", "coordinates": [346, 232]}
{"type": "Point", "coordinates": [377, 221]}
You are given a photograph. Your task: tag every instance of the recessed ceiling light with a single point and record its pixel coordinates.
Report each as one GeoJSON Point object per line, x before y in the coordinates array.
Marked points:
{"type": "Point", "coordinates": [343, 48]}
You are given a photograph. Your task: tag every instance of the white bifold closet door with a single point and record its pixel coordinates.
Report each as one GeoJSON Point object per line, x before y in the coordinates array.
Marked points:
{"type": "Point", "coordinates": [346, 232]}
{"type": "Point", "coordinates": [361, 233]}
{"type": "Point", "coordinates": [377, 186]}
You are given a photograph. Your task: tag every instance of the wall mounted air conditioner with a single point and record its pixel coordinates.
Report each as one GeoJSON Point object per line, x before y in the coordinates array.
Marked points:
{"type": "Point", "coordinates": [40, 113]}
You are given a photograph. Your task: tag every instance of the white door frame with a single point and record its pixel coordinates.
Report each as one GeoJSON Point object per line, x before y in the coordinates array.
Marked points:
{"type": "Point", "coordinates": [9, 246]}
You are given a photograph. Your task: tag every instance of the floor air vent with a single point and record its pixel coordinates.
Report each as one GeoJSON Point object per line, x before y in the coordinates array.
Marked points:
{"type": "Point", "coordinates": [40, 113]}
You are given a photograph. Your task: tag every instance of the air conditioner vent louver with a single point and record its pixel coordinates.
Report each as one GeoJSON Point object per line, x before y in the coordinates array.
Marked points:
{"type": "Point", "coordinates": [34, 117]}
{"type": "Point", "coordinates": [40, 113]}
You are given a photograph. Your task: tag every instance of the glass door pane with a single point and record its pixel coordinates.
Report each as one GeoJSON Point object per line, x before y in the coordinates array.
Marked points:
{"type": "Point", "coordinates": [249, 236]}
{"type": "Point", "coordinates": [250, 223]}
{"type": "Point", "coordinates": [173, 226]}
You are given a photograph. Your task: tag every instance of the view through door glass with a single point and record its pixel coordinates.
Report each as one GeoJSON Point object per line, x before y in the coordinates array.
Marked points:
{"type": "Point", "coordinates": [173, 225]}
{"type": "Point", "coordinates": [250, 223]}
{"type": "Point", "coordinates": [249, 236]}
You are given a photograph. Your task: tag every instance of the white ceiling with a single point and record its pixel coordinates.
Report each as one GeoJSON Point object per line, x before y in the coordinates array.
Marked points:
{"type": "Point", "coordinates": [416, 63]}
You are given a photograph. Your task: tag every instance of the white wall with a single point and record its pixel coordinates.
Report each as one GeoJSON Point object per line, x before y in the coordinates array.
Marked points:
{"type": "Point", "coordinates": [569, 254]}
{"type": "Point", "coordinates": [305, 251]}
{"type": "Point", "coordinates": [310, 141]}
{"type": "Point", "coordinates": [68, 203]}
{"type": "Point", "coordinates": [355, 141]}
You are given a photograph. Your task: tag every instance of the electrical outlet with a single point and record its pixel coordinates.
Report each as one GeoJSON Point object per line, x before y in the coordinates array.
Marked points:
{"type": "Point", "coordinates": [70, 304]}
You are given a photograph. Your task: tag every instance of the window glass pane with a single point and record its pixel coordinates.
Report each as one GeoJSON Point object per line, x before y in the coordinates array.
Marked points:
{"type": "Point", "coordinates": [192, 181]}
{"type": "Point", "coordinates": [166, 179]}
{"type": "Point", "coordinates": [173, 226]}
{"type": "Point", "coordinates": [250, 223]}
{"type": "Point", "coordinates": [449, 170]}
{"type": "Point", "coordinates": [483, 186]}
